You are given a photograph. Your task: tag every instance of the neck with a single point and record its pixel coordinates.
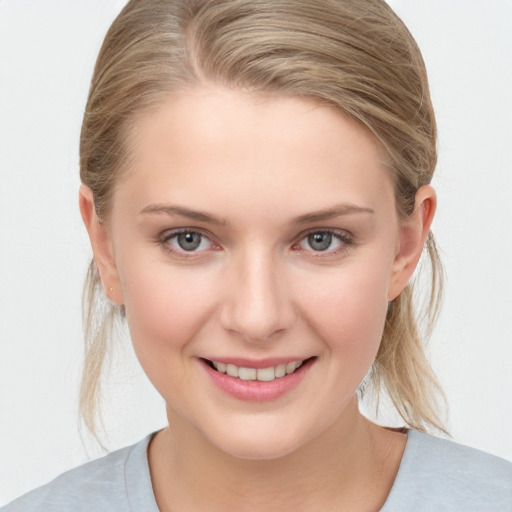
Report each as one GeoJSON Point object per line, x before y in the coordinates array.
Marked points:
{"type": "Point", "coordinates": [352, 466]}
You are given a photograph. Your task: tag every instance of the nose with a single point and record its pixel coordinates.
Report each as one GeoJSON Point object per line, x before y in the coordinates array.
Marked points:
{"type": "Point", "coordinates": [257, 305]}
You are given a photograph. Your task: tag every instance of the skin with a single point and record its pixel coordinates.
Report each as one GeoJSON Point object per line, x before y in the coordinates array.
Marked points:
{"type": "Point", "coordinates": [256, 288]}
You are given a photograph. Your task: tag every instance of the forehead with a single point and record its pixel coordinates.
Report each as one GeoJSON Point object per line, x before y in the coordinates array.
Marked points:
{"type": "Point", "coordinates": [234, 143]}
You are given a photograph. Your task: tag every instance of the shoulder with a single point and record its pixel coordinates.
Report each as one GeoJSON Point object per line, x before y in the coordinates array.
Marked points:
{"type": "Point", "coordinates": [97, 485]}
{"type": "Point", "coordinates": [437, 474]}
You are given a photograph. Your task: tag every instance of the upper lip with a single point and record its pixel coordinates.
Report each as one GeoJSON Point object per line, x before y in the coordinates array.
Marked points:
{"type": "Point", "coordinates": [256, 363]}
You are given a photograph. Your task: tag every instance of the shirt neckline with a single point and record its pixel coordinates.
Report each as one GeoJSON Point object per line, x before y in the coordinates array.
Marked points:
{"type": "Point", "coordinates": [139, 489]}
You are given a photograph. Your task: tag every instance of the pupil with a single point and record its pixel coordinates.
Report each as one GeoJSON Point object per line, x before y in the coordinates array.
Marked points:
{"type": "Point", "coordinates": [320, 241]}
{"type": "Point", "coordinates": [189, 241]}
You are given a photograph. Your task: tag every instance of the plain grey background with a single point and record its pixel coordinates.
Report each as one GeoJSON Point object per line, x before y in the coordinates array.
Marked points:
{"type": "Point", "coordinates": [47, 51]}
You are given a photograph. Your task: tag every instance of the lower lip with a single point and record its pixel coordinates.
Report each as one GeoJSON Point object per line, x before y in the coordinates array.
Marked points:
{"type": "Point", "coordinates": [255, 390]}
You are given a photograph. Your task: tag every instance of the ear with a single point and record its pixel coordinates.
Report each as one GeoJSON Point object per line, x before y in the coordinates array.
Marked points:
{"type": "Point", "coordinates": [413, 234]}
{"type": "Point", "coordinates": [101, 246]}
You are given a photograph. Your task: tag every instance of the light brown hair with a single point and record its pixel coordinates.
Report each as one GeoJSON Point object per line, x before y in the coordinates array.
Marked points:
{"type": "Point", "coordinates": [354, 55]}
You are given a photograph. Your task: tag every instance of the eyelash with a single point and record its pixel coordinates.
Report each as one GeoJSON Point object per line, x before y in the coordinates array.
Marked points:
{"type": "Point", "coordinates": [345, 239]}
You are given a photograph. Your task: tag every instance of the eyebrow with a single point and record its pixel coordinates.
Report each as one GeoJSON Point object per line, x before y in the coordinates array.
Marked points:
{"type": "Point", "coordinates": [183, 212]}
{"type": "Point", "coordinates": [331, 213]}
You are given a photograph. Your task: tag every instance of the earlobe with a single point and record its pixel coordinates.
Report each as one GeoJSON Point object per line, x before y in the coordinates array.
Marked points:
{"type": "Point", "coordinates": [101, 246]}
{"type": "Point", "coordinates": [413, 234]}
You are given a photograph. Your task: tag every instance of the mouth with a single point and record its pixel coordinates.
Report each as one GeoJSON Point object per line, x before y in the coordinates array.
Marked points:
{"type": "Point", "coordinates": [268, 374]}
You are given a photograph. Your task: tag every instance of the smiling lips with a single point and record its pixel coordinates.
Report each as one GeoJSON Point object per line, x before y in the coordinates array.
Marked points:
{"type": "Point", "coordinates": [262, 374]}
{"type": "Point", "coordinates": [257, 384]}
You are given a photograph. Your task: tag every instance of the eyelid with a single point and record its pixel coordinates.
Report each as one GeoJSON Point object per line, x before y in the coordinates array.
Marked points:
{"type": "Point", "coordinates": [340, 233]}
{"type": "Point", "coordinates": [170, 233]}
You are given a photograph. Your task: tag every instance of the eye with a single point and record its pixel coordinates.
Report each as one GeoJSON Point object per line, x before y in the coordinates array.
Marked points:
{"type": "Point", "coordinates": [185, 241]}
{"type": "Point", "coordinates": [188, 241]}
{"type": "Point", "coordinates": [324, 241]}
{"type": "Point", "coordinates": [320, 241]}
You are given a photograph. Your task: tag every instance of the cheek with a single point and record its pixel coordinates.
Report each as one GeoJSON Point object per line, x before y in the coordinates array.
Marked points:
{"type": "Point", "coordinates": [165, 308]}
{"type": "Point", "coordinates": [348, 309]}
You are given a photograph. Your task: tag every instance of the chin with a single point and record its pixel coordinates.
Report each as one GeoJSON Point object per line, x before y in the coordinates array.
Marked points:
{"type": "Point", "coordinates": [259, 444]}
{"type": "Point", "coordinates": [253, 450]}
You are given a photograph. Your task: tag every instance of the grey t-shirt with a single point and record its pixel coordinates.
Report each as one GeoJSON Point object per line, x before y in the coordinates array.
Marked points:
{"type": "Point", "coordinates": [434, 475]}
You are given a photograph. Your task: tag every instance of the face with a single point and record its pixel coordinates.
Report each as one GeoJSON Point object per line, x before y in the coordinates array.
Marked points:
{"type": "Point", "coordinates": [255, 245]}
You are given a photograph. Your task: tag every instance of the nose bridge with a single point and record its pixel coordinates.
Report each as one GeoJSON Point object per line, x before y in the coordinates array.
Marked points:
{"type": "Point", "coordinates": [257, 305]}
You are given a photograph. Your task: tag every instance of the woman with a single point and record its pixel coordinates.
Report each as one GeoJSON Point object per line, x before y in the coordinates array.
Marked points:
{"type": "Point", "coordinates": [256, 188]}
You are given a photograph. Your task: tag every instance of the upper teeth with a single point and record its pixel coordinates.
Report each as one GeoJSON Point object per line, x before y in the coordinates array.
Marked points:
{"type": "Point", "coordinates": [263, 374]}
